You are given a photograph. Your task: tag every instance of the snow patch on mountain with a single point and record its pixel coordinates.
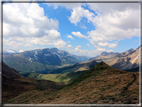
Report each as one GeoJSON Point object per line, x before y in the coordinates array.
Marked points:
{"type": "Point", "coordinates": [11, 51]}
{"type": "Point", "coordinates": [30, 59]}
{"type": "Point", "coordinates": [35, 54]}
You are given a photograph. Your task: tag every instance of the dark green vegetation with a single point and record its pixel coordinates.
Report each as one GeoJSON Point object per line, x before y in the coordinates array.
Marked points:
{"type": "Point", "coordinates": [31, 75]}
{"type": "Point", "coordinates": [22, 64]}
{"type": "Point", "coordinates": [60, 78]}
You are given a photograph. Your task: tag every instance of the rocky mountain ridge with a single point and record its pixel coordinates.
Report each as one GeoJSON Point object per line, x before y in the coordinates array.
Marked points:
{"type": "Point", "coordinates": [125, 60]}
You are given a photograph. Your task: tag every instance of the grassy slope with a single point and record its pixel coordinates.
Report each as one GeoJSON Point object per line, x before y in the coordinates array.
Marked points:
{"type": "Point", "coordinates": [100, 85]}
{"type": "Point", "coordinates": [61, 78]}
{"type": "Point", "coordinates": [22, 64]}
{"type": "Point", "coordinates": [65, 74]}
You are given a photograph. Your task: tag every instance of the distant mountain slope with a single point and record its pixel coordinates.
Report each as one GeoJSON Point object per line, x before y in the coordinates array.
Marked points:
{"type": "Point", "coordinates": [39, 60]}
{"type": "Point", "coordinates": [126, 53]}
{"type": "Point", "coordinates": [100, 85]}
{"type": "Point", "coordinates": [81, 58]}
{"type": "Point", "coordinates": [133, 69]}
{"type": "Point", "coordinates": [82, 66]}
{"type": "Point", "coordinates": [126, 60]}
{"type": "Point", "coordinates": [23, 64]}
{"type": "Point", "coordinates": [14, 84]}
{"type": "Point", "coordinates": [105, 55]}
{"type": "Point", "coordinates": [11, 51]}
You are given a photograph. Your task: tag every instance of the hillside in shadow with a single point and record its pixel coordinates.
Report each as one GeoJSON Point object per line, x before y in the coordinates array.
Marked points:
{"type": "Point", "coordinates": [14, 84]}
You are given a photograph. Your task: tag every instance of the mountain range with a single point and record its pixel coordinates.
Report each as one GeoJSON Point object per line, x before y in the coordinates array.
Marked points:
{"type": "Point", "coordinates": [124, 61]}
{"type": "Point", "coordinates": [101, 84]}
{"type": "Point", "coordinates": [41, 60]}
{"type": "Point", "coordinates": [105, 55]}
{"type": "Point", "coordinates": [53, 61]}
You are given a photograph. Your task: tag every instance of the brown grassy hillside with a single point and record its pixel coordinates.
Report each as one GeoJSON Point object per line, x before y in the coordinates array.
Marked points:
{"type": "Point", "coordinates": [14, 84]}
{"type": "Point", "coordinates": [100, 85]}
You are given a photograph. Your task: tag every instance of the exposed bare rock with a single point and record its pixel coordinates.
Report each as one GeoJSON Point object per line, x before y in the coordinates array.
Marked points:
{"type": "Point", "coordinates": [126, 60]}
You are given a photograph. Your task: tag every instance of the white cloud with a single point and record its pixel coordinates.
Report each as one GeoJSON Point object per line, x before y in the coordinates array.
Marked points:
{"type": "Point", "coordinates": [69, 46]}
{"type": "Point", "coordinates": [106, 44]}
{"type": "Point", "coordinates": [78, 13]}
{"type": "Point", "coordinates": [90, 53]}
{"type": "Point", "coordinates": [77, 48]}
{"type": "Point", "coordinates": [25, 24]}
{"type": "Point", "coordinates": [96, 40]}
{"type": "Point", "coordinates": [78, 34]}
{"type": "Point", "coordinates": [16, 42]}
{"type": "Point", "coordinates": [11, 44]}
{"type": "Point", "coordinates": [113, 22]}
{"type": "Point", "coordinates": [52, 38]}
{"type": "Point", "coordinates": [100, 49]}
{"type": "Point", "coordinates": [69, 36]}
{"type": "Point", "coordinates": [26, 20]}
{"type": "Point", "coordinates": [21, 50]}
{"type": "Point", "coordinates": [111, 7]}
{"type": "Point", "coordinates": [66, 5]}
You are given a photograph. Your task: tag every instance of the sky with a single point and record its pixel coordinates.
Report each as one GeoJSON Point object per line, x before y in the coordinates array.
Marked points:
{"type": "Point", "coordinates": [79, 28]}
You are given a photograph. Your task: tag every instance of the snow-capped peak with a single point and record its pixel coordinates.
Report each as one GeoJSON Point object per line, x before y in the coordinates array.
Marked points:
{"type": "Point", "coordinates": [11, 51]}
